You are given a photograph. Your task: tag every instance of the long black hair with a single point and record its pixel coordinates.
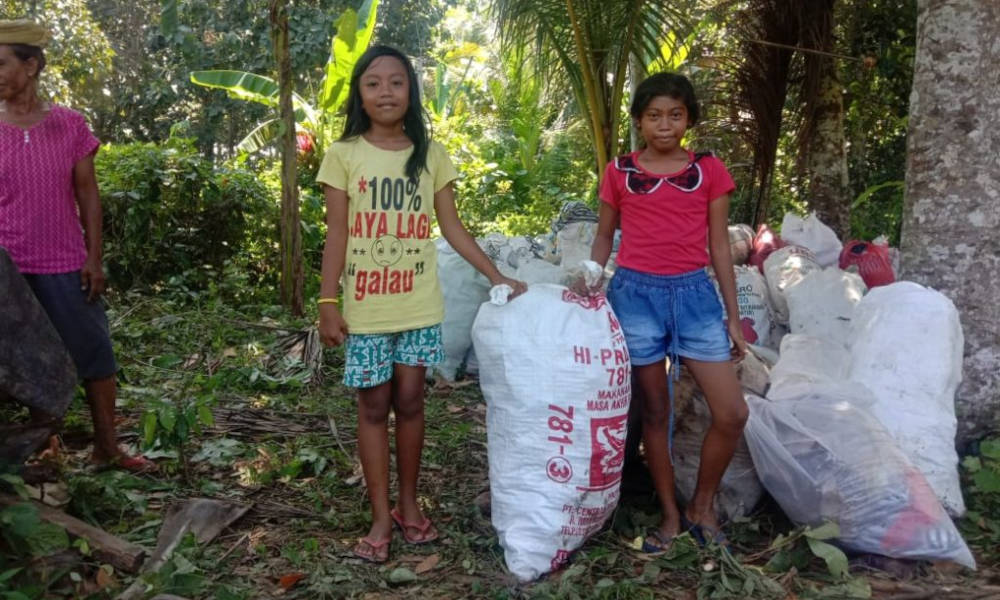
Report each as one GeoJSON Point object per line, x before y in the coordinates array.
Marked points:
{"type": "Point", "coordinates": [414, 126]}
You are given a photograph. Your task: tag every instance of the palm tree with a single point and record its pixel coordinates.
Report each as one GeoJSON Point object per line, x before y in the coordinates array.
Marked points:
{"type": "Point", "coordinates": [588, 43]}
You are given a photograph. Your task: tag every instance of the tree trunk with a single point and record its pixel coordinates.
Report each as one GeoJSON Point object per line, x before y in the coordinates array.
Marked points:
{"type": "Point", "coordinates": [829, 190]}
{"type": "Point", "coordinates": [291, 239]}
{"type": "Point", "coordinates": [951, 219]}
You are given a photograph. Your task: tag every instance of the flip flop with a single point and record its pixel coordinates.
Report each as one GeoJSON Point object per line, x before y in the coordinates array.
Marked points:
{"type": "Point", "coordinates": [665, 541]}
{"type": "Point", "coordinates": [423, 527]}
{"type": "Point", "coordinates": [702, 537]}
{"type": "Point", "coordinates": [133, 464]}
{"type": "Point", "coordinates": [375, 546]}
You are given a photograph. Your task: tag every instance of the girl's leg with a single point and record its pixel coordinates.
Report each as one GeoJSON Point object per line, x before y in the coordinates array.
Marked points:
{"type": "Point", "coordinates": [373, 448]}
{"type": "Point", "coordinates": [408, 406]}
{"type": "Point", "coordinates": [655, 422]}
{"type": "Point", "coordinates": [724, 396]}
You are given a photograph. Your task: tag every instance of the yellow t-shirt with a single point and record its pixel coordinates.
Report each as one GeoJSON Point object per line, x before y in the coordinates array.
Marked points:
{"type": "Point", "coordinates": [390, 277]}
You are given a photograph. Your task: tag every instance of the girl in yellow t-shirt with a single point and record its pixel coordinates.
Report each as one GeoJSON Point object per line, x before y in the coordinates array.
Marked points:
{"type": "Point", "coordinates": [384, 181]}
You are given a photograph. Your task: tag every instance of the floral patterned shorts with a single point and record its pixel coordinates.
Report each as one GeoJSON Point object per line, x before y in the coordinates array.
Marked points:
{"type": "Point", "coordinates": [369, 358]}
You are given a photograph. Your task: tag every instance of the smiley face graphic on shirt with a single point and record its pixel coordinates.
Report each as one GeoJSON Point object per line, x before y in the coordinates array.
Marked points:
{"type": "Point", "coordinates": [387, 250]}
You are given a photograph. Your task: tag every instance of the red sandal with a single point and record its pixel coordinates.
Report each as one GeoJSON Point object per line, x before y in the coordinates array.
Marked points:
{"type": "Point", "coordinates": [376, 546]}
{"type": "Point", "coordinates": [426, 535]}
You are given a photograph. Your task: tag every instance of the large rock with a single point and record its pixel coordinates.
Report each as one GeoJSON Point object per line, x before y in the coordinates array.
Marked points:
{"type": "Point", "coordinates": [35, 368]}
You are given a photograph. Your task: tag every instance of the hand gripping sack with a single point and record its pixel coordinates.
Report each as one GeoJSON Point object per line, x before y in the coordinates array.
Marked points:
{"type": "Point", "coordinates": [556, 375]}
{"type": "Point", "coordinates": [906, 346]}
{"type": "Point", "coordinates": [824, 459]}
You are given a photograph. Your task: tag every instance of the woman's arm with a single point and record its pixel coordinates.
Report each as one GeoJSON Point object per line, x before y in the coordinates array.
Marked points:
{"type": "Point", "coordinates": [332, 327]}
{"type": "Point", "coordinates": [722, 263]}
{"type": "Point", "coordinates": [463, 242]}
{"type": "Point", "coordinates": [88, 199]}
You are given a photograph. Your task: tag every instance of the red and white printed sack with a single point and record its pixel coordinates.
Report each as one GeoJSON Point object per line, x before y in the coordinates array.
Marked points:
{"type": "Point", "coordinates": [557, 380]}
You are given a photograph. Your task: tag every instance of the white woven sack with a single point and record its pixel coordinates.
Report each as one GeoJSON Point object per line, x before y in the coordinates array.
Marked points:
{"type": "Point", "coordinates": [754, 303]}
{"type": "Point", "coordinates": [813, 234]}
{"type": "Point", "coordinates": [906, 346]}
{"type": "Point", "coordinates": [822, 304]}
{"type": "Point", "coordinates": [556, 376]}
{"type": "Point", "coordinates": [464, 289]}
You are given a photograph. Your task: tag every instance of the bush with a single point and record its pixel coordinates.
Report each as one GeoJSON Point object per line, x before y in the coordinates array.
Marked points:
{"type": "Point", "coordinates": [168, 212]}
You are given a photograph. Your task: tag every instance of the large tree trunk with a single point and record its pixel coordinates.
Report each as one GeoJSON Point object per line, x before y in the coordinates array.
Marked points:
{"type": "Point", "coordinates": [951, 217]}
{"type": "Point", "coordinates": [291, 239]}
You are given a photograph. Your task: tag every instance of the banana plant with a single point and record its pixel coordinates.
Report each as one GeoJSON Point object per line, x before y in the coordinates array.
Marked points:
{"type": "Point", "coordinates": [354, 32]}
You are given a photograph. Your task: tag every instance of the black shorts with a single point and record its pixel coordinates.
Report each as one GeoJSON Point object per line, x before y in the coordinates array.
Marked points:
{"type": "Point", "coordinates": [82, 325]}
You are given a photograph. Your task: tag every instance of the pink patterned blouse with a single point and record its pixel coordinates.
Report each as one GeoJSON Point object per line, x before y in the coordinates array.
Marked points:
{"type": "Point", "coordinates": [39, 221]}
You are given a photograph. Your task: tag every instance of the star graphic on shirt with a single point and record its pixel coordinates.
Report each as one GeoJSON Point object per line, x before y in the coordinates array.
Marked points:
{"type": "Point", "coordinates": [355, 252]}
{"type": "Point", "coordinates": [362, 252]}
{"type": "Point", "coordinates": [362, 185]}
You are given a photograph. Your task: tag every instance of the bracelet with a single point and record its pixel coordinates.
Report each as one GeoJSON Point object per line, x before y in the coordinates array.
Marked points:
{"type": "Point", "coordinates": [326, 301]}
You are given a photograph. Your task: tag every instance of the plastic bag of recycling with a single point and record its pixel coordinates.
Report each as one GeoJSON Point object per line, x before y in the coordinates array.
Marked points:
{"type": "Point", "coordinates": [824, 459]}
{"type": "Point", "coordinates": [765, 242]}
{"type": "Point", "coordinates": [872, 260]}
{"type": "Point", "coordinates": [906, 346]}
{"type": "Point", "coordinates": [740, 243]}
{"type": "Point", "coordinates": [555, 372]}
{"type": "Point", "coordinates": [822, 303]}
{"type": "Point", "coordinates": [782, 269]}
{"type": "Point", "coordinates": [813, 234]}
{"type": "Point", "coordinates": [464, 289]}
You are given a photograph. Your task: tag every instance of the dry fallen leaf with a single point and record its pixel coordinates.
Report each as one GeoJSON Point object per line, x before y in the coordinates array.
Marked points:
{"type": "Point", "coordinates": [105, 577]}
{"type": "Point", "coordinates": [288, 581]}
{"type": "Point", "coordinates": [427, 564]}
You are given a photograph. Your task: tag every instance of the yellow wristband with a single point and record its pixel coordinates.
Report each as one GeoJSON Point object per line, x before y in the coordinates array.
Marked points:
{"type": "Point", "coordinates": [326, 301]}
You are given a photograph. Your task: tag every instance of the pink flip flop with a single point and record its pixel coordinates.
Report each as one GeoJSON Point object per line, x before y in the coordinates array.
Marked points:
{"type": "Point", "coordinates": [376, 546]}
{"type": "Point", "coordinates": [426, 535]}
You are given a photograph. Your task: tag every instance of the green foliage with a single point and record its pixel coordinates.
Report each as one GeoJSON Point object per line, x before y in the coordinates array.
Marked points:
{"type": "Point", "coordinates": [25, 533]}
{"type": "Point", "coordinates": [981, 476]}
{"type": "Point", "coordinates": [171, 424]}
{"type": "Point", "coordinates": [168, 212]}
{"type": "Point", "coordinates": [348, 43]}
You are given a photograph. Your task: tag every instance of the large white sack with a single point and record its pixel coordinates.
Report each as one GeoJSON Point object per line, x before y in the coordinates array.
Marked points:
{"type": "Point", "coordinates": [822, 304]}
{"type": "Point", "coordinates": [574, 242]}
{"type": "Point", "coordinates": [464, 289]}
{"type": "Point", "coordinates": [556, 376]}
{"type": "Point", "coordinates": [783, 268]}
{"type": "Point", "coordinates": [740, 243]}
{"type": "Point", "coordinates": [906, 346]}
{"type": "Point", "coordinates": [808, 359]}
{"type": "Point", "coordinates": [813, 234]}
{"type": "Point", "coordinates": [824, 459]}
{"type": "Point", "coordinates": [535, 270]}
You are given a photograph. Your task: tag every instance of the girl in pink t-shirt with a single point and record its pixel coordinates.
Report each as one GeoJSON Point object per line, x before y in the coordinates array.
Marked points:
{"type": "Point", "coordinates": [668, 202]}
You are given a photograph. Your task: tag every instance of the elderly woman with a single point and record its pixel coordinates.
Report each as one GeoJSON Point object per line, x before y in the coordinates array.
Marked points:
{"type": "Point", "coordinates": [50, 223]}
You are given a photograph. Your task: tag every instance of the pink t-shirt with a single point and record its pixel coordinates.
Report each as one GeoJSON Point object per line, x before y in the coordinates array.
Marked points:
{"type": "Point", "coordinates": [39, 221]}
{"type": "Point", "coordinates": [664, 218]}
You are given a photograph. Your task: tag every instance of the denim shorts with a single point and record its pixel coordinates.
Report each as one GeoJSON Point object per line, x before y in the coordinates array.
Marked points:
{"type": "Point", "coordinates": [669, 315]}
{"type": "Point", "coordinates": [82, 325]}
{"type": "Point", "coordinates": [369, 358]}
